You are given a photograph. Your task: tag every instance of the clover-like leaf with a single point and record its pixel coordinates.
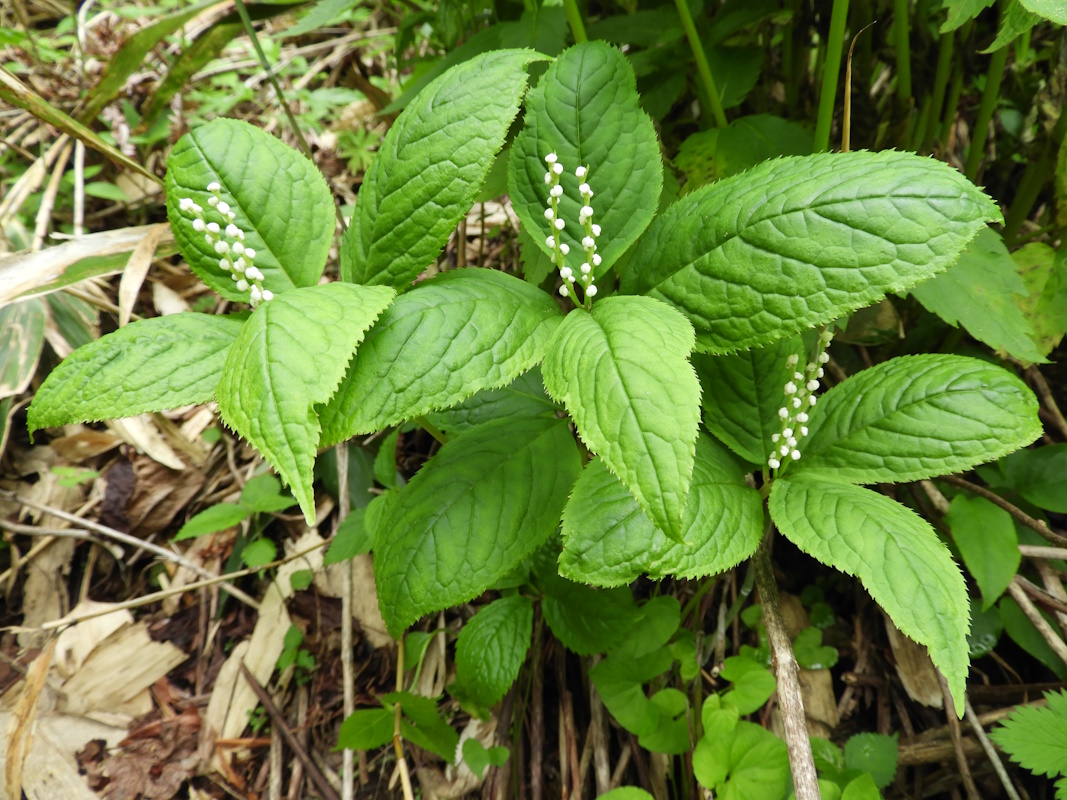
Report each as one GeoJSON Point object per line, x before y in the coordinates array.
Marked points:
{"type": "Point", "coordinates": [895, 554]}
{"type": "Point", "coordinates": [471, 514]}
{"type": "Point", "coordinates": [608, 541]}
{"type": "Point", "coordinates": [149, 365]}
{"type": "Point", "coordinates": [290, 356]}
{"type": "Point", "coordinates": [799, 241]}
{"type": "Point", "coordinates": [917, 417]}
{"type": "Point", "coordinates": [280, 199]}
{"type": "Point", "coordinates": [463, 331]}
{"type": "Point", "coordinates": [586, 110]}
{"type": "Point", "coordinates": [430, 167]}
{"type": "Point", "coordinates": [623, 373]}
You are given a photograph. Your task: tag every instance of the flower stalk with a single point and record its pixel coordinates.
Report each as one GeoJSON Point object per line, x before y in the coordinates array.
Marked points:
{"type": "Point", "coordinates": [800, 398]}
{"type": "Point", "coordinates": [584, 277]}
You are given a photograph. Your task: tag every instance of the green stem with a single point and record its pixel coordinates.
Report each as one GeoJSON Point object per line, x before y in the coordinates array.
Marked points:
{"type": "Point", "coordinates": [1033, 181]}
{"type": "Point", "coordinates": [702, 63]}
{"type": "Point", "coordinates": [574, 19]}
{"type": "Point", "coordinates": [431, 429]}
{"type": "Point", "coordinates": [831, 70]}
{"type": "Point", "coordinates": [900, 30]}
{"type": "Point", "coordinates": [985, 112]}
{"type": "Point", "coordinates": [952, 102]}
{"type": "Point", "coordinates": [941, 75]}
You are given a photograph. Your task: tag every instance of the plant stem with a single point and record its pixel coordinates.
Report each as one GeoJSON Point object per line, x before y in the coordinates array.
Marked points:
{"type": "Point", "coordinates": [790, 700]}
{"type": "Point", "coordinates": [432, 429]}
{"type": "Point", "coordinates": [831, 71]}
{"type": "Point", "coordinates": [1033, 181]}
{"type": "Point", "coordinates": [398, 742]}
{"type": "Point", "coordinates": [900, 30]}
{"type": "Point", "coordinates": [574, 19]}
{"type": "Point", "coordinates": [344, 502]}
{"type": "Point", "coordinates": [1020, 516]}
{"type": "Point", "coordinates": [941, 75]}
{"type": "Point", "coordinates": [952, 102]}
{"type": "Point", "coordinates": [702, 63]}
{"type": "Point", "coordinates": [980, 132]}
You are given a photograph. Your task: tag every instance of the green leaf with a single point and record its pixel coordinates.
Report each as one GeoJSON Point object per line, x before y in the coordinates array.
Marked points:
{"type": "Point", "coordinates": [751, 763]}
{"type": "Point", "coordinates": [752, 684]}
{"type": "Point", "coordinates": [350, 539]}
{"type": "Point", "coordinates": [321, 14]}
{"type": "Point", "coordinates": [281, 200]}
{"type": "Point", "coordinates": [259, 553]}
{"type": "Point", "coordinates": [718, 720]}
{"type": "Point", "coordinates": [623, 374]}
{"type": "Point", "coordinates": [861, 788]}
{"type": "Point", "coordinates": [986, 538]}
{"type": "Point", "coordinates": [1044, 272]}
{"type": "Point", "coordinates": [1023, 633]}
{"type": "Point", "coordinates": [478, 759]}
{"type": "Point", "coordinates": [289, 356]}
{"type": "Point", "coordinates": [1052, 10]}
{"type": "Point", "coordinates": [149, 365]}
{"type": "Point", "coordinates": [263, 494]}
{"type": "Point", "coordinates": [917, 417]}
{"type": "Point", "coordinates": [465, 330]}
{"type": "Point", "coordinates": [491, 649]}
{"type": "Point", "coordinates": [608, 541]}
{"type": "Point", "coordinates": [106, 191]}
{"type": "Point", "coordinates": [895, 554]}
{"type": "Point", "coordinates": [1036, 738]}
{"type": "Point", "coordinates": [961, 11]}
{"type": "Point", "coordinates": [1015, 21]}
{"type": "Point", "coordinates": [523, 397]}
{"type": "Point", "coordinates": [810, 651]}
{"type": "Point", "coordinates": [385, 460]}
{"type": "Point", "coordinates": [471, 514]}
{"type": "Point", "coordinates": [213, 519]}
{"type": "Point", "coordinates": [627, 793]}
{"type": "Point", "coordinates": [875, 754]}
{"type": "Point", "coordinates": [986, 627]}
{"type": "Point", "coordinates": [828, 756]}
{"type": "Point", "coordinates": [424, 726]}
{"type": "Point", "coordinates": [367, 729]}
{"type": "Point", "coordinates": [301, 579]}
{"type": "Point", "coordinates": [799, 241]}
{"type": "Point", "coordinates": [658, 620]}
{"type": "Point", "coordinates": [672, 733]}
{"type": "Point", "coordinates": [742, 392]}
{"type": "Point", "coordinates": [22, 327]}
{"type": "Point", "coordinates": [430, 167]}
{"type": "Point", "coordinates": [619, 680]}
{"type": "Point", "coordinates": [979, 293]}
{"type": "Point", "coordinates": [586, 110]}
{"type": "Point", "coordinates": [586, 620]}
{"type": "Point", "coordinates": [1040, 475]}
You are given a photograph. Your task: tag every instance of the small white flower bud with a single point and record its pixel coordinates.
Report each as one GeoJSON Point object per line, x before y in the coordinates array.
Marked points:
{"type": "Point", "coordinates": [787, 432]}
{"type": "Point", "coordinates": [588, 241]}
{"type": "Point", "coordinates": [579, 172]}
{"type": "Point", "coordinates": [213, 227]}
{"type": "Point", "coordinates": [267, 295]}
{"type": "Point", "coordinates": [583, 188]}
{"type": "Point", "coordinates": [225, 264]}
{"type": "Point", "coordinates": [559, 224]}
{"type": "Point", "coordinates": [566, 273]}
{"type": "Point", "coordinates": [820, 372]}
{"type": "Point", "coordinates": [233, 231]}
{"type": "Point", "coordinates": [586, 269]}
{"type": "Point", "coordinates": [213, 201]}
{"type": "Point", "coordinates": [250, 253]}
{"type": "Point", "coordinates": [231, 216]}
{"type": "Point", "coordinates": [591, 291]}
{"type": "Point", "coordinates": [596, 259]}
{"type": "Point", "coordinates": [197, 209]}
{"type": "Point", "coordinates": [548, 177]}
{"type": "Point", "coordinates": [198, 225]}
{"type": "Point", "coordinates": [775, 437]}
{"type": "Point", "coordinates": [557, 168]}
{"type": "Point", "coordinates": [798, 377]}
{"type": "Point", "coordinates": [222, 248]}
{"type": "Point", "coordinates": [550, 241]}
{"type": "Point", "coordinates": [564, 248]}
{"type": "Point", "coordinates": [551, 158]}
{"type": "Point", "coordinates": [790, 388]}
{"type": "Point", "coordinates": [795, 455]}
{"type": "Point", "coordinates": [253, 274]}
{"type": "Point", "coordinates": [185, 203]}
{"type": "Point", "coordinates": [224, 208]}
{"type": "Point", "coordinates": [784, 450]}
{"type": "Point", "coordinates": [791, 441]}
{"type": "Point", "coordinates": [563, 290]}
{"type": "Point", "coordinates": [556, 191]}
{"type": "Point", "coordinates": [596, 230]}
{"type": "Point", "coordinates": [783, 413]}
{"type": "Point", "coordinates": [257, 294]}
{"type": "Point", "coordinates": [803, 430]}
{"type": "Point", "coordinates": [812, 385]}
{"type": "Point", "coordinates": [796, 402]}
{"type": "Point", "coordinates": [774, 463]}
{"type": "Point", "coordinates": [239, 265]}
{"type": "Point", "coordinates": [242, 285]}
{"type": "Point", "coordinates": [586, 211]}
{"type": "Point", "coordinates": [824, 357]}
{"type": "Point", "coordinates": [237, 248]}
{"type": "Point", "coordinates": [802, 417]}
{"type": "Point", "coordinates": [792, 361]}
{"type": "Point", "coordinates": [208, 239]}
{"type": "Point", "coordinates": [548, 214]}
{"type": "Point", "coordinates": [812, 400]}
{"type": "Point", "coordinates": [214, 186]}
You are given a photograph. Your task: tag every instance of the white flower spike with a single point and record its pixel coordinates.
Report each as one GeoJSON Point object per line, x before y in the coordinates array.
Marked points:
{"type": "Point", "coordinates": [800, 394]}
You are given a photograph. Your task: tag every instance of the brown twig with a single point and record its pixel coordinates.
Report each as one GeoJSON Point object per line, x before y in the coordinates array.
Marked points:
{"type": "Point", "coordinates": [537, 715]}
{"type": "Point", "coordinates": [278, 721]}
{"type": "Point", "coordinates": [957, 741]}
{"type": "Point", "coordinates": [1021, 516]}
{"type": "Point", "coordinates": [1018, 594]}
{"type": "Point", "coordinates": [1043, 597]}
{"type": "Point", "coordinates": [790, 699]}
{"type": "Point", "coordinates": [1045, 393]}
{"type": "Point", "coordinates": [991, 753]}
{"type": "Point", "coordinates": [348, 760]}
{"type": "Point", "coordinates": [398, 742]}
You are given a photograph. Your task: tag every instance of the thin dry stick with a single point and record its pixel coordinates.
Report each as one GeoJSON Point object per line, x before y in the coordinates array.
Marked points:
{"type": "Point", "coordinates": [48, 200]}
{"type": "Point", "coordinates": [598, 734]}
{"type": "Point", "coordinates": [398, 742]}
{"type": "Point", "coordinates": [620, 768]}
{"type": "Point", "coordinates": [348, 761]}
{"type": "Point", "coordinates": [1034, 524]}
{"type": "Point", "coordinates": [1045, 598]}
{"type": "Point", "coordinates": [537, 715]}
{"type": "Point", "coordinates": [156, 597]}
{"type": "Point", "coordinates": [278, 721]}
{"type": "Point", "coordinates": [991, 752]}
{"type": "Point", "coordinates": [1045, 393]}
{"type": "Point", "coordinates": [1018, 594]}
{"type": "Point", "coordinates": [132, 541]}
{"type": "Point", "coordinates": [70, 533]}
{"type": "Point", "coordinates": [957, 741]}
{"type": "Point", "coordinates": [1054, 586]}
{"type": "Point", "coordinates": [1039, 551]}
{"type": "Point", "coordinates": [790, 700]}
